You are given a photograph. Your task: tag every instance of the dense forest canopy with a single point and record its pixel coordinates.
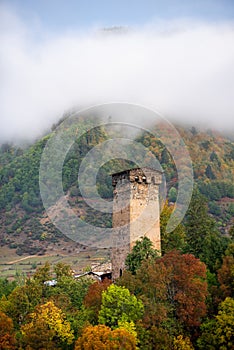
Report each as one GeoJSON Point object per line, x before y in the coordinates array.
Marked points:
{"type": "Point", "coordinates": [171, 302]}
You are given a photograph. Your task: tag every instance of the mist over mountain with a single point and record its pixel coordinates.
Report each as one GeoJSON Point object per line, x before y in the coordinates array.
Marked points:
{"type": "Point", "coordinates": [182, 68]}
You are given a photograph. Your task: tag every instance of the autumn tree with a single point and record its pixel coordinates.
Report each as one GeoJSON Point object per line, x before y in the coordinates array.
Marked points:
{"type": "Point", "coordinates": [119, 305]}
{"type": "Point", "coordinates": [173, 289]}
{"type": "Point", "coordinates": [94, 337]}
{"type": "Point", "coordinates": [150, 283]}
{"type": "Point", "coordinates": [7, 334]}
{"type": "Point", "coordinates": [226, 277]}
{"type": "Point", "coordinates": [122, 339]}
{"type": "Point", "coordinates": [93, 299]}
{"type": "Point", "coordinates": [47, 324]}
{"type": "Point", "coordinates": [221, 283]}
{"type": "Point", "coordinates": [187, 289]}
{"type": "Point", "coordinates": [182, 343]}
{"type": "Point", "coordinates": [179, 279]}
{"type": "Point", "coordinates": [68, 294]}
{"type": "Point", "coordinates": [101, 337]}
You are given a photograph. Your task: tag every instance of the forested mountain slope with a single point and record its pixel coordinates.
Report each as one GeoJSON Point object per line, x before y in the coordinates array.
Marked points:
{"type": "Point", "coordinates": [24, 225]}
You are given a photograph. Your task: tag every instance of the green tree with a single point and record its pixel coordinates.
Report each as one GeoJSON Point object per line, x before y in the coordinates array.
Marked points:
{"type": "Point", "coordinates": [214, 208]}
{"type": "Point", "coordinates": [18, 305]}
{"type": "Point", "coordinates": [22, 301]}
{"type": "Point", "coordinates": [230, 209]}
{"type": "Point", "coordinates": [231, 232]}
{"type": "Point", "coordinates": [218, 332]}
{"type": "Point", "coordinates": [170, 240]}
{"type": "Point", "coordinates": [172, 194]}
{"type": "Point", "coordinates": [142, 250]}
{"type": "Point", "coordinates": [118, 305]}
{"type": "Point", "coordinates": [203, 238]}
{"type": "Point", "coordinates": [165, 157]}
{"type": "Point", "coordinates": [6, 287]}
{"type": "Point", "coordinates": [194, 131]}
{"type": "Point", "coordinates": [62, 270]}
{"type": "Point", "coordinates": [209, 172]}
{"type": "Point", "coordinates": [75, 289]}
{"type": "Point", "coordinates": [43, 273]}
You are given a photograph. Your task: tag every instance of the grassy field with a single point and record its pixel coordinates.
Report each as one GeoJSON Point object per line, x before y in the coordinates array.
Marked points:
{"type": "Point", "coordinates": [12, 264]}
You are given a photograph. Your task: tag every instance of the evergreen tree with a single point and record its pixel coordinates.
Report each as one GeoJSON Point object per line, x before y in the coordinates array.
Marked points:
{"type": "Point", "coordinates": [170, 240]}
{"type": "Point", "coordinates": [141, 251]}
{"type": "Point", "coordinates": [202, 236]}
{"type": "Point", "coordinates": [172, 194]}
{"type": "Point", "coordinates": [209, 172]}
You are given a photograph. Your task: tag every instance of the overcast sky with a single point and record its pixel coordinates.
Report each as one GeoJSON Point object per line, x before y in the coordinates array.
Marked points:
{"type": "Point", "coordinates": [175, 56]}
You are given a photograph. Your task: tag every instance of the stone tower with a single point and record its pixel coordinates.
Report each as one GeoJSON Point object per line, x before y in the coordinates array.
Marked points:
{"type": "Point", "coordinates": [135, 212]}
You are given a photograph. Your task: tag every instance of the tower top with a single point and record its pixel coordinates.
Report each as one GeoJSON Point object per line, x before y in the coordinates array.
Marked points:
{"type": "Point", "coordinates": [142, 175]}
{"type": "Point", "coordinates": [146, 168]}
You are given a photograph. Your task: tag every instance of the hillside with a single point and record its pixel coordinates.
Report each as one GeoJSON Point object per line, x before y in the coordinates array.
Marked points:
{"type": "Point", "coordinates": [25, 229]}
{"type": "Point", "coordinates": [212, 156]}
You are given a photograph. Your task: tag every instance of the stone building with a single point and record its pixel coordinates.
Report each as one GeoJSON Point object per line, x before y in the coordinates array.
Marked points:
{"type": "Point", "coordinates": [136, 212]}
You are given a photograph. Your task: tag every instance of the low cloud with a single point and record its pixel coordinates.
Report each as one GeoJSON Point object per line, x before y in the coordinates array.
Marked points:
{"type": "Point", "coordinates": [184, 69]}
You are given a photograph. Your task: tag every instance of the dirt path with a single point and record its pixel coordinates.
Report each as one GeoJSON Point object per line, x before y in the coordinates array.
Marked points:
{"type": "Point", "coordinates": [25, 258]}
{"type": "Point", "coordinates": [34, 256]}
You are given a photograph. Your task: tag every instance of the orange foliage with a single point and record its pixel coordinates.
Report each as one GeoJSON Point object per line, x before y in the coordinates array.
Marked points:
{"type": "Point", "coordinates": [122, 339]}
{"type": "Point", "coordinates": [226, 277]}
{"type": "Point", "coordinates": [93, 298]}
{"type": "Point", "coordinates": [94, 294]}
{"type": "Point", "coordinates": [175, 281]}
{"type": "Point", "coordinates": [7, 336]}
{"type": "Point", "coordinates": [102, 337]}
{"type": "Point", "coordinates": [187, 288]}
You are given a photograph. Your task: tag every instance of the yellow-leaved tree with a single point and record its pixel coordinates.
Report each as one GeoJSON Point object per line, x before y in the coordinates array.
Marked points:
{"type": "Point", "coordinates": [47, 327]}
{"type": "Point", "coordinates": [182, 343]}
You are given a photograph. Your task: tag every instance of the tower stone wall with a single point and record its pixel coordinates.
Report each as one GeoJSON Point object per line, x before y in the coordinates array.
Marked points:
{"type": "Point", "coordinates": [136, 212]}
